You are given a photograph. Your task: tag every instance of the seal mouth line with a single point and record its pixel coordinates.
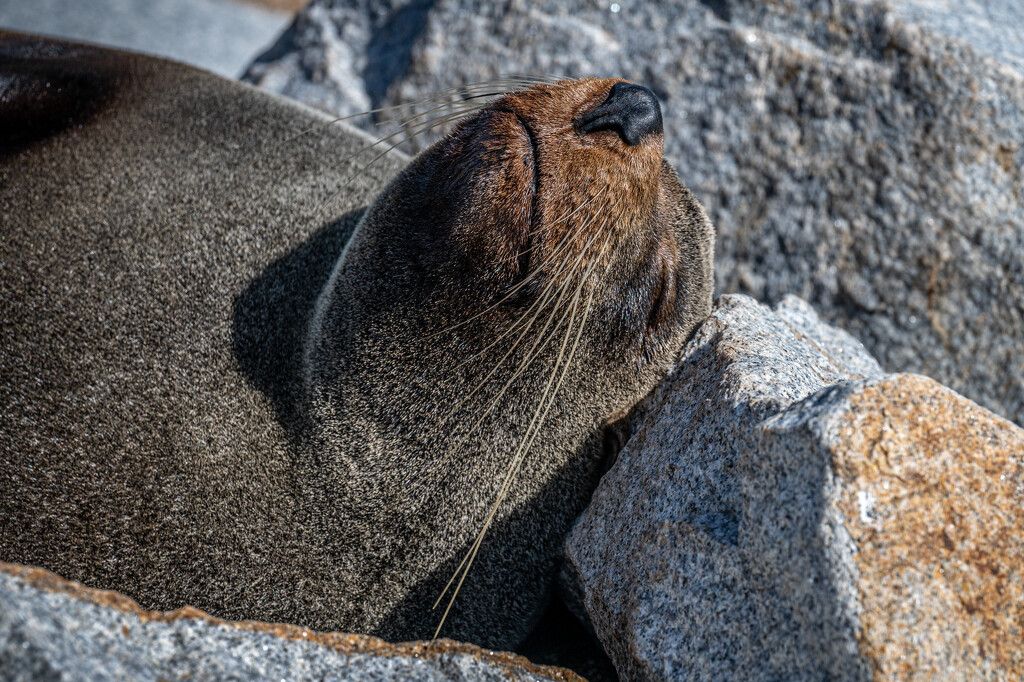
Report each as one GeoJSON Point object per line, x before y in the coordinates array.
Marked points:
{"type": "Point", "coordinates": [535, 150]}
{"type": "Point", "coordinates": [535, 204]}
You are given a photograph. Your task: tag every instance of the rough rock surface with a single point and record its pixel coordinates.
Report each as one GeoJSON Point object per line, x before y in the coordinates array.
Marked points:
{"type": "Point", "coordinates": [786, 511]}
{"type": "Point", "coordinates": [218, 35]}
{"type": "Point", "coordinates": [54, 629]}
{"type": "Point", "coordinates": [864, 156]}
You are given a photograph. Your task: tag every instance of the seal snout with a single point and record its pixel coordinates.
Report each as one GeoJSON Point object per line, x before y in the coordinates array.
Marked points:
{"type": "Point", "coordinates": [631, 110]}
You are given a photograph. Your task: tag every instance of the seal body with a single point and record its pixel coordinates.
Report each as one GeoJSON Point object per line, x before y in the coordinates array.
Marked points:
{"type": "Point", "coordinates": [214, 401]}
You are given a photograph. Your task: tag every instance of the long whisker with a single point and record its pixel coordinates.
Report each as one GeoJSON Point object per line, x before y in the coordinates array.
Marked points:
{"type": "Point", "coordinates": [555, 277]}
{"type": "Point", "coordinates": [575, 297]}
{"type": "Point", "coordinates": [520, 455]}
{"type": "Point", "coordinates": [560, 248]}
{"type": "Point", "coordinates": [428, 476]}
{"type": "Point", "coordinates": [543, 337]}
{"type": "Point", "coordinates": [462, 94]}
{"type": "Point", "coordinates": [424, 127]}
{"type": "Point", "coordinates": [519, 285]}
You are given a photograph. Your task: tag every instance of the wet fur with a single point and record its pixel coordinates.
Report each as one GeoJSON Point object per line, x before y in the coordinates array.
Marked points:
{"type": "Point", "coordinates": [208, 404]}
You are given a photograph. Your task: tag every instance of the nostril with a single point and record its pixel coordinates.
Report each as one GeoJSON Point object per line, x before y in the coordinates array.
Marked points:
{"type": "Point", "coordinates": [630, 110]}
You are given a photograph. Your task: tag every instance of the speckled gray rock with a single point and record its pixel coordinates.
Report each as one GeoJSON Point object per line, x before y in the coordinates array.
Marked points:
{"type": "Point", "coordinates": [864, 156]}
{"type": "Point", "coordinates": [218, 35]}
{"type": "Point", "coordinates": [53, 629]}
{"type": "Point", "coordinates": [780, 514]}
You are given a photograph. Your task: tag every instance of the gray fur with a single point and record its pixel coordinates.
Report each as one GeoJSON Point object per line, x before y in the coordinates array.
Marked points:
{"type": "Point", "coordinates": [184, 422]}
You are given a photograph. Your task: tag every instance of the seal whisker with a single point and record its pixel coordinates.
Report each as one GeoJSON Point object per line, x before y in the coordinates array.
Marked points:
{"type": "Point", "coordinates": [543, 338]}
{"type": "Point", "coordinates": [520, 454]}
{"type": "Point", "coordinates": [423, 126]}
{"type": "Point", "coordinates": [467, 559]}
{"type": "Point", "coordinates": [471, 91]}
{"type": "Point", "coordinates": [525, 281]}
{"type": "Point", "coordinates": [325, 124]}
{"type": "Point", "coordinates": [564, 218]}
{"type": "Point", "coordinates": [561, 248]}
{"type": "Point", "coordinates": [554, 282]}
{"type": "Point", "coordinates": [575, 297]}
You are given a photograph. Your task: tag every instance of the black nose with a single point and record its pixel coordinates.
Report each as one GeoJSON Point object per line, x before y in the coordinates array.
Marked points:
{"type": "Point", "coordinates": [630, 110]}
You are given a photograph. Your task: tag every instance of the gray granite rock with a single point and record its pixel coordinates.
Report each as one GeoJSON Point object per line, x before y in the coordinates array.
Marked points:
{"type": "Point", "coordinates": [776, 516]}
{"type": "Point", "coordinates": [51, 629]}
{"type": "Point", "coordinates": [864, 156]}
{"type": "Point", "coordinates": [221, 36]}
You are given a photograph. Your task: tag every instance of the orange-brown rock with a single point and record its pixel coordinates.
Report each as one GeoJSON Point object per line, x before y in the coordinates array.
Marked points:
{"type": "Point", "coordinates": [932, 492]}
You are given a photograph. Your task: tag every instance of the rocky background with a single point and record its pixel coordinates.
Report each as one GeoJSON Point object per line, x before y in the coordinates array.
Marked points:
{"type": "Point", "coordinates": [864, 156]}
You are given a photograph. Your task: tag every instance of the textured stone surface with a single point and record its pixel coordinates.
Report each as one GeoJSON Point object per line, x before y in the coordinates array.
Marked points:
{"type": "Point", "coordinates": [54, 629]}
{"type": "Point", "coordinates": [219, 35]}
{"type": "Point", "coordinates": [865, 156]}
{"type": "Point", "coordinates": [992, 27]}
{"type": "Point", "coordinates": [786, 511]}
{"type": "Point", "coordinates": [931, 488]}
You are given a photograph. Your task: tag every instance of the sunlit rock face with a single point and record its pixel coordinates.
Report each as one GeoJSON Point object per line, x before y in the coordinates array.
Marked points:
{"type": "Point", "coordinates": [786, 511]}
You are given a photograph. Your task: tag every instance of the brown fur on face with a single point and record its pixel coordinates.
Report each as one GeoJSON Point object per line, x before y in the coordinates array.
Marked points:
{"type": "Point", "coordinates": [539, 197]}
{"type": "Point", "coordinates": [530, 171]}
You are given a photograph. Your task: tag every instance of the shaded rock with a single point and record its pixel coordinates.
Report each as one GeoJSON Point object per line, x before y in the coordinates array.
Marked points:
{"type": "Point", "coordinates": [864, 156]}
{"type": "Point", "coordinates": [785, 511]}
{"type": "Point", "coordinates": [54, 629]}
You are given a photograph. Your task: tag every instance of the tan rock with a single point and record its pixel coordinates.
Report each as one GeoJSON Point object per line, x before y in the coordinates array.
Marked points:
{"type": "Point", "coordinates": [932, 491]}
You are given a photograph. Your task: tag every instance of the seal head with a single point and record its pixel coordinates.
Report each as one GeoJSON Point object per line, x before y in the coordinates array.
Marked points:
{"type": "Point", "coordinates": [519, 287]}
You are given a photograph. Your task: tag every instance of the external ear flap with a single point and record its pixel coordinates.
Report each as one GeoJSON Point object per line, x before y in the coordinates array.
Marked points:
{"type": "Point", "coordinates": [42, 97]}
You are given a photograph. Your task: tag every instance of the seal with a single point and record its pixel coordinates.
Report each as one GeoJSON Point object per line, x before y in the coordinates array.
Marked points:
{"type": "Point", "coordinates": [212, 401]}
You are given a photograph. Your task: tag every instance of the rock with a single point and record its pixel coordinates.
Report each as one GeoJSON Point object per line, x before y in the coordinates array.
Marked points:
{"type": "Point", "coordinates": [54, 629]}
{"type": "Point", "coordinates": [218, 35]}
{"type": "Point", "coordinates": [865, 156]}
{"type": "Point", "coordinates": [786, 511]}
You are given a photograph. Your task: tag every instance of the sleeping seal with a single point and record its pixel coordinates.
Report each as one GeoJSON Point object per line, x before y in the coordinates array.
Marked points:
{"type": "Point", "coordinates": [211, 399]}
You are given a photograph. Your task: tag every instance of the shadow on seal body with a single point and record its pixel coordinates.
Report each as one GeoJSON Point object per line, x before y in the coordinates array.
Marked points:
{"type": "Point", "coordinates": [214, 400]}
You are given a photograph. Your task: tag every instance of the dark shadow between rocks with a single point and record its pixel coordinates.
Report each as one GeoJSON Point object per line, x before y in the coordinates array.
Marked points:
{"type": "Point", "coordinates": [271, 316]}
{"type": "Point", "coordinates": [560, 639]}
